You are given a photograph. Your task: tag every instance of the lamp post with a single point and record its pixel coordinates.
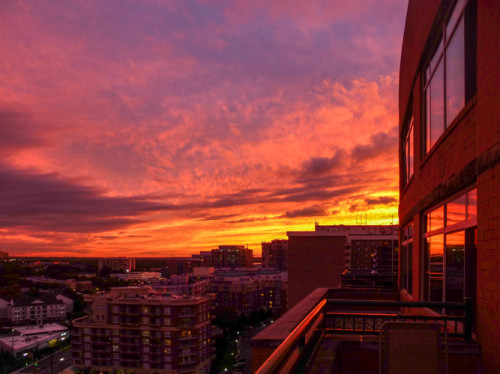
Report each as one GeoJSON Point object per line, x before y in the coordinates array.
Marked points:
{"type": "Point", "coordinates": [61, 363]}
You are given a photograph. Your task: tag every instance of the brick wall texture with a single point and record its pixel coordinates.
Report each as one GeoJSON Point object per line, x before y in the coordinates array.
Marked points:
{"type": "Point", "coordinates": [466, 155]}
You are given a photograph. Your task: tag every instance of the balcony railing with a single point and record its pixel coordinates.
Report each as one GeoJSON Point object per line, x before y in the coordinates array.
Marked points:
{"type": "Point", "coordinates": [360, 317]}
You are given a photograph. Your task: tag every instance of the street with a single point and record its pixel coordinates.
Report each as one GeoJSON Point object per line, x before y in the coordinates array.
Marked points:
{"type": "Point", "coordinates": [52, 364]}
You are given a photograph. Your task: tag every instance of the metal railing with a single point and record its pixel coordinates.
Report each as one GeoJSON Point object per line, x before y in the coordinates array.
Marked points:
{"type": "Point", "coordinates": [293, 351]}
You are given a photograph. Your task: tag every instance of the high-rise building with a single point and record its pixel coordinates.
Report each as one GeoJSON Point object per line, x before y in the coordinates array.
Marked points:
{"type": "Point", "coordinates": [116, 263]}
{"type": "Point", "coordinates": [232, 256]}
{"type": "Point", "coordinates": [275, 254]}
{"type": "Point", "coordinates": [135, 329]}
{"type": "Point", "coordinates": [318, 258]}
{"type": "Point", "coordinates": [449, 160]}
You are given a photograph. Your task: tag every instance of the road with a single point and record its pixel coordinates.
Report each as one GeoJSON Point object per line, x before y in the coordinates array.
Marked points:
{"type": "Point", "coordinates": [244, 346]}
{"type": "Point", "coordinates": [50, 365]}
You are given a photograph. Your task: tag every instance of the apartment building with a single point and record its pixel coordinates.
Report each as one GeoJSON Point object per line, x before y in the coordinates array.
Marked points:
{"type": "Point", "coordinates": [28, 310]}
{"type": "Point", "coordinates": [275, 254]}
{"type": "Point", "coordinates": [232, 256]}
{"type": "Point", "coordinates": [136, 329]}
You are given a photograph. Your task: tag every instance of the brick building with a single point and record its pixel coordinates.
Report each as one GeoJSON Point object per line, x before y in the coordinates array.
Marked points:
{"type": "Point", "coordinates": [318, 258]}
{"type": "Point", "coordinates": [449, 125]}
{"type": "Point", "coordinates": [135, 329]}
{"type": "Point", "coordinates": [275, 254]}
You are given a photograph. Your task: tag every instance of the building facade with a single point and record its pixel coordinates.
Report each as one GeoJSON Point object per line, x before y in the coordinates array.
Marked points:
{"type": "Point", "coordinates": [232, 256]}
{"type": "Point", "coordinates": [27, 310]}
{"type": "Point", "coordinates": [117, 263]}
{"type": "Point", "coordinates": [251, 291]}
{"type": "Point", "coordinates": [135, 329]}
{"type": "Point", "coordinates": [449, 160]}
{"type": "Point", "coordinates": [318, 258]}
{"type": "Point", "coordinates": [275, 254]}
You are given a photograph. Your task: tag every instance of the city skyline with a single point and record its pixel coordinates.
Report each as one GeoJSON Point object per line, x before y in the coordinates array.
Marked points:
{"type": "Point", "coordinates": [151, 129]}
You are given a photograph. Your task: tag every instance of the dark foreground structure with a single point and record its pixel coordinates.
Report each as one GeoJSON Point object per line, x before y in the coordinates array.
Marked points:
{"type": "Point", "coordinates": [446, 310]}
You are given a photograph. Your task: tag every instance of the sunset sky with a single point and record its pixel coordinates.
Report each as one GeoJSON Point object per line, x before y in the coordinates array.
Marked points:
{"type": "Point", "coordinates": [162, 128]}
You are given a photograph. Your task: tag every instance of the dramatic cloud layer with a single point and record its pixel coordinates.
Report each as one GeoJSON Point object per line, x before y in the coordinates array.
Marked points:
{"type": "Point", "coordinates": [164, 128]}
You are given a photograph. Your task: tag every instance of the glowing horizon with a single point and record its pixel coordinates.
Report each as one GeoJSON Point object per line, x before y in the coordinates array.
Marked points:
{"type": "Point", "coordinates": [160, 129]}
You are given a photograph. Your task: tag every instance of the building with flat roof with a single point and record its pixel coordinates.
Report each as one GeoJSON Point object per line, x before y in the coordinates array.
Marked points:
{"type": "Point", "coordinates": [29, 338]}
{"type": "Point", "coordinates": [318, 258]}
{"type": "Point", "coordinates": [137, 329]}
{"type": "Point", "coordinates": [249, 291]}
{"type": "Point", "coordinates": [232, 256]}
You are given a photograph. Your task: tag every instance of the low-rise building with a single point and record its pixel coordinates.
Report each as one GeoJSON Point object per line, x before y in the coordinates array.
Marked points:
{"type": "Point", "coordinates": [29, 310]}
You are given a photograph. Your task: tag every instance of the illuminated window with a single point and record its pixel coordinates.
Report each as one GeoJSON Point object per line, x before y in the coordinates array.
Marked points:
{"type": "Point", "coordinates": [408, 151]}
{"type": "Point", "coordinates": [450, 73]}
{"type": "Point", "coordinates": [116, 348]}
{"type": "Point", "coordinates": [168, 341]}
{"type": "Point", "coordinates": [186, 334]}
{"type": "Point", "coordinates": [450, 253]}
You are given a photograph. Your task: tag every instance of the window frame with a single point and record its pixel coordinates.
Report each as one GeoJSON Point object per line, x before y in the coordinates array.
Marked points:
{"type": "Point", "coordinates": [438, 59]}
{"type": "Point", "coordinates": [467, 224]}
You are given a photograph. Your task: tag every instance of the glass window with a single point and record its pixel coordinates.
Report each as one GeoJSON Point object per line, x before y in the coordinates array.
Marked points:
{"type": "Point", "coordinates": [408, 150]}
{"type": "Point", "coordinates": [407, 258]}
{"type": "Point", "coordinates": [450, 251]}
{"type": "Point", "coordinates": [456, 211]}
{"type": "Point", "coordinates": [445, 85]}
{"type": "Point", "coordinates": [435, 271]}
{"type": "Point", "coordinates": [435, 219]}
{"type": "Point", "coordinates": [455, 74]}
{"type": "Point", "coordinates": [455, 265]}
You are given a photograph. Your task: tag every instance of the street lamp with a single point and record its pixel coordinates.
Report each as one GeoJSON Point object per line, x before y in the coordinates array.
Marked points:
{"type": "Point", "coordinates": [61, 362]}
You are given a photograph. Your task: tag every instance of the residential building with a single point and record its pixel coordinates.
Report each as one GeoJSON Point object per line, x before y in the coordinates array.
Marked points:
{"type": "Point", "coordinates": [117, 263]}
{"type": "Point", "coordinates": [275, 254]}
{"type": "Point", "coordinates": [137, 329]}
{"type": "Point", "coordinates": [318, 258]}
{"type": "Point", "coordinates": [249, 291]}
{"type": "Point", "coordinates": [232, 256]}
{"type": "Point", "coordinates": [28, 310]}
{"type": "Point", "coordinates": [449, 160]}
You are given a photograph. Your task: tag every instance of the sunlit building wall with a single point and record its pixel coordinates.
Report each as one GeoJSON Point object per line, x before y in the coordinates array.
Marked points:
{"type": "Point", "coordinates": [449, 160]}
